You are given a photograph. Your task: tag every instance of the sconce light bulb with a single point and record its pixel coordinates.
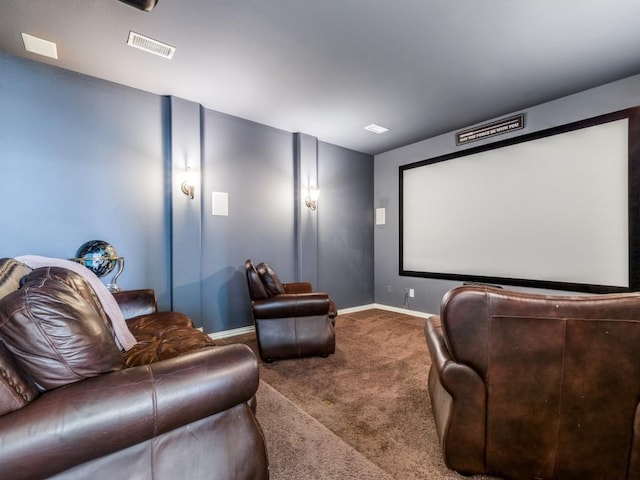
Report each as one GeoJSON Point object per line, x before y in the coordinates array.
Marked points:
{"type": "Point", "coordinates": [188, 189]}
{"type": "Point", "coordinates": [188, 186]}
{"type": "Point", "coordinates": [310, 203]}
{"type": "Point", "coordinates": [312, 198]}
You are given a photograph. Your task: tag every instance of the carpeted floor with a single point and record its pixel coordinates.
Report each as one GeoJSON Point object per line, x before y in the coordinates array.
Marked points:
{"type": "Point", "coordinates": [372, 393]}
{"type": "Point", "coordinates": [300, 447]}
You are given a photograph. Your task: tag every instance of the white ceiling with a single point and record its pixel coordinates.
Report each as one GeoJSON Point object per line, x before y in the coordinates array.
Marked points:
{"type": "Point", "coordinates": [327, 68]}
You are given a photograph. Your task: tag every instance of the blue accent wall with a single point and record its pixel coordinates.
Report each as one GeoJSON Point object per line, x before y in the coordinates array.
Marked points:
{"type": "Point", "coordinates": [345, 225]}
{"type": "Point", "coordinates": [253, 164]}
{"type": "Point", "coordinates": [186, 230]}
{"type": "Point", "coordinates": [83, 159]}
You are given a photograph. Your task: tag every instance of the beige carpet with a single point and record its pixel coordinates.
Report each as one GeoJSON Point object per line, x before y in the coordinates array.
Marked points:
{"type": "Point", "coordinates": [372, 393]}
{"type": "Point", "coordinates": [300, 447]}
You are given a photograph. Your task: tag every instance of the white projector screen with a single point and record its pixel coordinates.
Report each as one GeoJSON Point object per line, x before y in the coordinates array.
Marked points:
{"type": "Point", "coordinates": [550, 209]}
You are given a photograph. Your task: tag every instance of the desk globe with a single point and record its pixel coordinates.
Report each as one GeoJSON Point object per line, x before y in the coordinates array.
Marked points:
{"type": "Point", "coordinates": [101, 258]}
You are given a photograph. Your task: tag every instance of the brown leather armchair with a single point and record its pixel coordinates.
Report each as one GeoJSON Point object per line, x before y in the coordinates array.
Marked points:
{"type": "Point", "coordinates": [291, 320]}
{"type": "Point", "coordinates": [73, 406]}
{"type": "Point", "coordinates": [532, 386]}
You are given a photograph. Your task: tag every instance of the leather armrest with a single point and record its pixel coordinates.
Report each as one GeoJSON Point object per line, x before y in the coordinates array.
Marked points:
{"type": "Point", "coordinates": [95, 417]}
{"type": "Point", "coordinates": [466, 427]}
{"type": "Point", "coordinates": [298, 287]}
{"type": "Point", "coordinates": [136, 302]}
{"type": "Point", "coordinates": [292, 305]}
{"type": "Point", "coordinates": [438, 350]}
{"type": "Point", "coordinates": [455, 377]}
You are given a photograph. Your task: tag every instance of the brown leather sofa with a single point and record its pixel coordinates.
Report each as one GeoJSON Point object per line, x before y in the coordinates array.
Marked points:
{"type": "Point", "coordinates": [531, 386]}
{"type": "Point", "coordinates": [73, 406]}
{"type": "Point", "coordinates": [291, 320]}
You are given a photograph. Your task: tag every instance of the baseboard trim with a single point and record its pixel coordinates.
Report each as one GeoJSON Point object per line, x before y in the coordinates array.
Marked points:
{"type": "Point", "coordinates": [389, 308]}
{"type": "Point", "coordinates": [232, 333]}
{"type": "Point", "coordinates": [343, 311]}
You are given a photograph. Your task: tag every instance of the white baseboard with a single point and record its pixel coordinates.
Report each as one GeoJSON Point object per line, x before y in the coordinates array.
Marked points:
{"type": "Point", "coordinates": [389, 308]}
{"type": "Point", "coordinates": [232, 333]}
{"type": "Point", "coordinates": [360, 308]}
{"type": "Point", "coordinates": [343, 311]}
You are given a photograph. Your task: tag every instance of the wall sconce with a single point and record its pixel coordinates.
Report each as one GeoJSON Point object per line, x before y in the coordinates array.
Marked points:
{"type": "Point", "coordinates": [188, 186]}
{"type": "Point", "coordinates": [312, 198]}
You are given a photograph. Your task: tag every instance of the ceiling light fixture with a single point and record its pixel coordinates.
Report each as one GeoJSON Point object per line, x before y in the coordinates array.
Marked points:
{"type": "Point", "coordinates": [150, 45]}
{"type": "Point", "coordinates": [39, 46]}
{"type": "Point", "coordinates": [376, 128]}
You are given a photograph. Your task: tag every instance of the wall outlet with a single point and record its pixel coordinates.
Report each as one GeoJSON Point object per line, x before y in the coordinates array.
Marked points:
{"type": "Point", "coordinates": [389, 289]}
{"type": "Point", "coordinates": [412, 293]}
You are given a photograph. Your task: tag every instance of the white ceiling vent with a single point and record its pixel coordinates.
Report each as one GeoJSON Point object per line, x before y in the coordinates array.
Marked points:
{"type": "Point", "coordinates": [150, 45]}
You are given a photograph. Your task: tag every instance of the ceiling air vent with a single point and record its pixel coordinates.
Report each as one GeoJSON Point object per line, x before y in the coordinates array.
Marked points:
{"type": "Point", "coordinates": [150, 45]}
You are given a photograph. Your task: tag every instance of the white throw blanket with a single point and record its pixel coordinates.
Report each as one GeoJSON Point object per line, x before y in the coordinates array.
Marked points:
{"type": "Point", "coordinates": [124, 337]}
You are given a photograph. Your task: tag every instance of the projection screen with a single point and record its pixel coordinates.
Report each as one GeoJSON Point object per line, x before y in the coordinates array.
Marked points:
{"type": "Point", "coordinates": [550, 209]}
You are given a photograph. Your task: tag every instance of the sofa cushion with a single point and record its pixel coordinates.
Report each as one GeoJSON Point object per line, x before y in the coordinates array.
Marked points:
{"type": "Point", "coordinates": [270, 279]}
{"type": "Point", "coordinates": [16, 388]}
{"type": "Point", "coordinates": [11, 271]}
{"type": "Point", "coordinates": [163, 335]}
{"type": "Point", "coordinates": [55, 327]}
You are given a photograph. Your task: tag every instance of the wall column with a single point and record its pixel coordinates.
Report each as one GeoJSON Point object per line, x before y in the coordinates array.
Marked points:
{"type": "Point", "coordinates": [186, 213]}
{"type": "Point", "coordinates": [306, 168]}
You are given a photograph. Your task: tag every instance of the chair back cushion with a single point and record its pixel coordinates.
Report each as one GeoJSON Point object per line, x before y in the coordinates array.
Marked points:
{"type": "Point", "coordinates": [562, 375]}
{"type": "Point", "coordinates": [270, 279]}
{"type": "Point", "coordinates": [256, 288]}
{"type": "Point", "coordinates": [11, 271]}
{"type": "Point", "coordinates": [16, 388]}
{"type": "Point", "coordinates": [55, 327]}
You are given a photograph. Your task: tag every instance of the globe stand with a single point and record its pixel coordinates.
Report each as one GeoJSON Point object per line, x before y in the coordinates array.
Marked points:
{"type": "Point", "coordinates": [113, 285]}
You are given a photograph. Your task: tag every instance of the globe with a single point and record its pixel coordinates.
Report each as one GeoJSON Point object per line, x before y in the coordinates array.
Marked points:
{"type": "Point", "coordinates": [98, 256]}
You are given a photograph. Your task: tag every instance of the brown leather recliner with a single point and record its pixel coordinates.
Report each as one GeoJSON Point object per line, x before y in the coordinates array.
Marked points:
{"type": "Point", "coordinates": [73, 406]}
{"type": "Point", "coordinates": [291, 320]}
{"type": "Point", "coordinates": [532, 386]}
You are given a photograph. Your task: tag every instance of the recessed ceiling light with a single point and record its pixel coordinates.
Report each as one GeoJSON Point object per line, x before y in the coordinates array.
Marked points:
{"type": "Point", "coordinates": [39, 46]}
{"type": "Point", "coordinates": [376, 128]}
{"type": "Point", "coordinates": [150, 45]}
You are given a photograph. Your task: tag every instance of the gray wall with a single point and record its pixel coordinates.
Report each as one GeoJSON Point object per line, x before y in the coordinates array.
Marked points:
{"type": "Point", "coordinates": [605, 99]}
{"type": "Point", "coordinates": [265, 172]}
{"type": "Point", "coordinates": [84, 159]}
{"type": "Point", "coordinates": [254, 165]}
{"type": "Point", "coordinates": [345, 225]}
